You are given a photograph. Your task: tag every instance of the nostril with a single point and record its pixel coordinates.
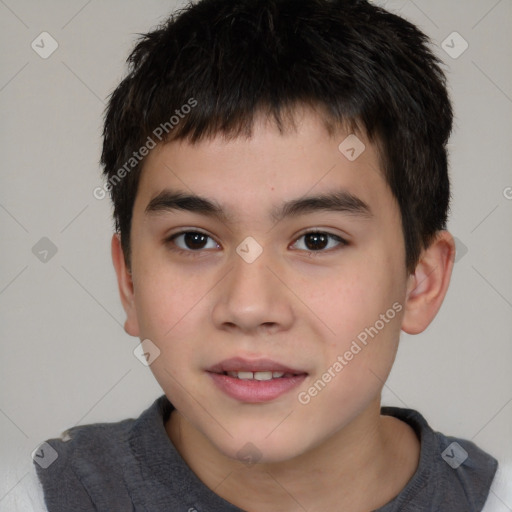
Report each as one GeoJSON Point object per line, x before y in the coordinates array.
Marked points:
{"type": "Point", "coordinates": [268, 326]}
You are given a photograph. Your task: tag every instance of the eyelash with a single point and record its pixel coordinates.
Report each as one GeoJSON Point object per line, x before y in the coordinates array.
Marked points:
{"type": "Point", "coordinates": [196, 253]}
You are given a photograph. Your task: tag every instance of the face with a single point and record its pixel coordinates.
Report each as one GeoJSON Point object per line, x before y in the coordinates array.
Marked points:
{"type": "Point", "coordinates": [277, 319]}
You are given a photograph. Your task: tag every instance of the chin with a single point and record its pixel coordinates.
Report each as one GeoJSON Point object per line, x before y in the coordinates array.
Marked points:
{"type": "Point", "coordinates": [251, 446]}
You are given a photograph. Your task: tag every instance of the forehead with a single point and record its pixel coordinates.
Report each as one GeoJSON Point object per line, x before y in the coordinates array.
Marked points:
{"type": "Point", "coordinates": [251, 176]}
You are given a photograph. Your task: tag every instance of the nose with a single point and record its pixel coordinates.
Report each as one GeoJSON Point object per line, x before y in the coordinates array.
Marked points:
{"type": "Point", "coordinates": [251, 300]}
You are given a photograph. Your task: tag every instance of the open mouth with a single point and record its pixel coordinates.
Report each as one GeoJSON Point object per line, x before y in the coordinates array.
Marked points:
{"type": "Point", "coordinates": [255, 381]}
{"type": "Point", "coordinates": [260, 375]}
{"type": "Point", "coordinates": [258, 369]}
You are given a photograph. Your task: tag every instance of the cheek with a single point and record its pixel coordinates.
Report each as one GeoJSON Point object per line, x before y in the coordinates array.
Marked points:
{"type": "Point", "coordinates": [171, 313]}
{"type": "Point", "coordinates": [351, 301]}
{"type": "Point", "coordinates": [363, 308]}
{"type": "Point", "coordinates": [164, 293]}
{"type": "Point", "coordinates": [354, 370]}
{"type": "Point", "coordinates": [169, 310]}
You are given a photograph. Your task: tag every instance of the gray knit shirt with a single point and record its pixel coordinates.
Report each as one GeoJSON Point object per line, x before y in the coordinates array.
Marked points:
{"type": "Point", "coordinates": [133, 466]}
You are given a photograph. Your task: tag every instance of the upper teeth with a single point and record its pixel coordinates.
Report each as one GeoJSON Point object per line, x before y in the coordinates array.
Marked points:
{"type": "Point", "coordinates": [256, 375]}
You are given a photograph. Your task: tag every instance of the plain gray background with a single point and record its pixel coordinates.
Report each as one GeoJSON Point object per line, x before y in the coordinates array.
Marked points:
{"type": "Point", "coordinates": [66, 359]}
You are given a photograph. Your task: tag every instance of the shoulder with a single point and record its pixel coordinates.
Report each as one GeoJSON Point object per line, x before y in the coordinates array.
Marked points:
{"type": "Point", "coordinates": [97, 441]}
{"type": "Point", "coordinates": [454, 474]}
{"type": "Point", "coordinates": [465, 472]}
{"type": "Point", "coordinates": [69, 468]}
{"type": "Point", "coordinates": [98, 466]}
{"type": "Point", "coordinates": [500, 495]}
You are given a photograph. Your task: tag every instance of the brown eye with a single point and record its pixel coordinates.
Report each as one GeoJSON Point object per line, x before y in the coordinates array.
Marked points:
{"type": "Point", "coordinates": [192, 241]}
{"type": "Point", "coordinates": [317, 241]}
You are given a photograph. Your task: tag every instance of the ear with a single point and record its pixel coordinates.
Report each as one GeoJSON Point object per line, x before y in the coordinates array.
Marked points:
{"type": "Point", "coordinates": [427, 287]}
{"type": "Point", "coordinates": [125, 285]}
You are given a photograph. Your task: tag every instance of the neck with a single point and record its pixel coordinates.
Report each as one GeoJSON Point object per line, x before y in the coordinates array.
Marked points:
{"type": "Point", "coordinates": [372, 452]}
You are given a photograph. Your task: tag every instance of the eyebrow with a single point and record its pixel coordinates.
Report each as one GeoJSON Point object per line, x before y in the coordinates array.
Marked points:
{"type": "Point", "coordinates": [337, 201]}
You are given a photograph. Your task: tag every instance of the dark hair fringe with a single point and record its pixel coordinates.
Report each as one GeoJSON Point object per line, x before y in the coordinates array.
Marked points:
{"type": "Point", "coordinates": [357, 64]}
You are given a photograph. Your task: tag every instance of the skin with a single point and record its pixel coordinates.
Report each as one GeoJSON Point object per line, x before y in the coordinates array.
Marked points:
{"type": "Point", "coordinates": [293, 305]}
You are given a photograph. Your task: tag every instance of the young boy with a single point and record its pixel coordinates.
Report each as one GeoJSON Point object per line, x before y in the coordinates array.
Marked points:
{"type": "Point", "coordinates": [278, 170]}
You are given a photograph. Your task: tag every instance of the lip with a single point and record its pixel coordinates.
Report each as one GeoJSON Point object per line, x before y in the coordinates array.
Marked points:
{"type": "Point", "coordinates": [252, 365]}
{"type": "Point", "coordinates": [254, 391]}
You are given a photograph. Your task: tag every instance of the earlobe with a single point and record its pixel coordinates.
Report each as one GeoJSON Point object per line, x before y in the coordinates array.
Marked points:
{"type": "Point", "coordinates": [125, 286]}
{"type": "Point", "coordinates": [427, 287]}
